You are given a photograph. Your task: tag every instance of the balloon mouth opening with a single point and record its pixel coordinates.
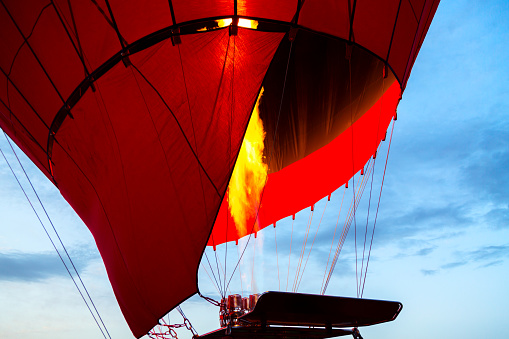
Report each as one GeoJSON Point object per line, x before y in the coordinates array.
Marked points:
{"type": "Point", "coordinates": [330, 86]}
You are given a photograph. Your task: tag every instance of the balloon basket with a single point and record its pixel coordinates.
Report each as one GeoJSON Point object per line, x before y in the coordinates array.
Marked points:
{"type": "Point", "coordinates": [297, 315]}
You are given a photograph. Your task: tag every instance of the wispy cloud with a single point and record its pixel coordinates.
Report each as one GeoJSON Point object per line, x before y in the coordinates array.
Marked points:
{"type": "Point", "coordinates": [485, 256]}
{"type": "Point", "coordinates": [489, 253]}
{"type": "Point", "coordinates": [22, 266]}
{"type": "Point", "coordinates": [30, 266]}
{"type": "Point", "coordinates": [425, 251]}
{"type": "Point", "coordinates": [454, 265]}
{"type": "Point", "coordinates": [493, 263]}
{"type": "Point", "coordinates": [429, 272]}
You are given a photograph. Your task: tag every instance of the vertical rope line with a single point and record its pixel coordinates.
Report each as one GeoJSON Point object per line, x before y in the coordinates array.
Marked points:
{"type": "Point", "coordinates": [302, 251]}
{"type": "Point", "coordinates": [240, 272]}
{"type": "Point", "coordinates": [312, 243]}
{"type": "Point", "coordinates": [277, 259]}
{"type": "Point", "coordinates": [212, 270]}
{"type": "Point", "coordinates": [372, 176]}
{"type": "Point", "coordinates": [223, 292]}
{"type": "Point", "coordinates": [332, 242]}
{"type": "Point", "coordinates": [222, 271]}
{"type": "Point", "coordinates": [346, 228]}
{"type": "Point", "coordinates": [289, 256]}
{"type": "Point", "coordinates": [353, 167]}
{"type": "Point", "coordinates": [253, 265]}
{"type": "Point", "coordinates": [229, 145]}
{"type": "Point", "coordinates": [51, 240]}
{"type": "Point", "coordinates": [377, 207]}
{"type": "Point", "coordinates": [205, 269]}
{"type": "Point", "coordinates": [367, 218]}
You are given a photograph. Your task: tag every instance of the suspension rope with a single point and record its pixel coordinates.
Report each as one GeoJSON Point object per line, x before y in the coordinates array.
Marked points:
{"type": "Point", "coordinates": [204, 269]}
{"type": "Point", "coordinates": [353, 167]}
{"type": "Point", "coordinates": [252, 269]}
{"type": "Point", "coordinates": [53, 243]}
{"type": "Point", "coordinates": [229, 145]}
{"type": "Point", "coordinates": [309, 253]}
{"type": "Point", "coordinates": [302, 251]}
{"type": "Point", "coordinates": [372, 178]}
{"type": "Point", "coordinates": [332, 242]}
{"type": "Point", "coordinates": [212, 270]}
{"type": "Point", "coordinates": [289, 255]}
{"type": "Point", "coordinates": [367, 217]}
{"type": "Point", "coordinates": [223, 272]}
{"type": "Point", "coordinates": [277, 258]}
{"type": "Point", "coordinates": [240, 272]}
{"type": "Point", "coordinates": [377, 207]}
{"type": "Point", "coordinates": [346, 227]}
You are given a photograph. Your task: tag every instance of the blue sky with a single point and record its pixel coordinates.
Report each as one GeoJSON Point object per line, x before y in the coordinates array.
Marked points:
{"type": "Point", "coordinates": [441, 245]}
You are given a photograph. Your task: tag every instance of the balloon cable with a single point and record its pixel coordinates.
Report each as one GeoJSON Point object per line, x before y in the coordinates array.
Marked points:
{"type": "Point", "coordinates": [277, 259]}
{"type": "Point", "coordinates": [309, 253]}
{"type": "Point", "coordinates": [53, 243]}
{"type": "Point", "coordinates": [377, 207]}
{"type": "Point", "coordinates": [302, 251]}
{"type": "Point", "coordinates": [205, 270]}
{"type": "Point", "coordinates": [229, 127]}
{"type": "Point", "coordinates": [346, 227]}
{"type": "Point", "coordinates": [289, 256]}
{"type": "Point", "coordinates": [372, 178]}
{"type": "Point", "coordinates": [332, 242]}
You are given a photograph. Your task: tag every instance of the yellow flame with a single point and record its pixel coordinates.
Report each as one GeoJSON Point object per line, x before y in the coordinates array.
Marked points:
{"type": "Point", "coordinates": [246, 23]}
{"type": "Point", "coordinates": [249, 174]}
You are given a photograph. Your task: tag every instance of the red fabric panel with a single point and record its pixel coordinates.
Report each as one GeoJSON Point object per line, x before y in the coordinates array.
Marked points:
{"type": "Point", "coordinates": [282, 10]}
{"type": "Point", "coordinates": [373, 26]}
{"type": "Point", "coordinates": [30, 80]}
{"type": "Point", "coordinates": [303, 183]}
{"type": "Point", "coordinates": [22, 125]}
{"type": "Point", "coordinates": [23, 139]}
{"type": "Point", "coordinates": [418, 7]}
{"type": "Point", "coordinates": [56, 53]}
{"type": "Point", "coordinates": [404, 34]}
{"type": "Point", "coordinates": [328, 16]}
{"type": "Point", "coordinates": [424, 21]}
{"type": "Point", "coordinates": [136, 19]}
{"type": "Point", "coordinates": [10, 40]}
{"type": "Point", "coordinates": [126, 168]}
{"type": "Point", "coordinates": [187, 10]}
{"type": "Point", "coordinates": [24, 14]}
{"type": "Point", "coordinates": [94, 30]}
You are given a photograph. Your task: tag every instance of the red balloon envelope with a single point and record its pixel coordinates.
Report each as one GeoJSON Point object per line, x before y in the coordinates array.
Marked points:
{"type": "Point", "coordinates": [137, 110]}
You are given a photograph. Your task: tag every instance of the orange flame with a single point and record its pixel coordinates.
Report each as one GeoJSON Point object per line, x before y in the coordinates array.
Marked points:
{"type": "Point", "coordinates": [246, 23]}
{"type": "Point", "coordinates": [249, 174]}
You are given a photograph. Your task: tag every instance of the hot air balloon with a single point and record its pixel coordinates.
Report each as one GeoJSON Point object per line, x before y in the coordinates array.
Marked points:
{"type": "Point", "coordinates": [137, 111]}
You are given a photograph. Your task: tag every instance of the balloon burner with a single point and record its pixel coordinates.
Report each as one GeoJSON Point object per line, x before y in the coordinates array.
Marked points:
{"type": "Point", "coordinates": [235, 306]}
